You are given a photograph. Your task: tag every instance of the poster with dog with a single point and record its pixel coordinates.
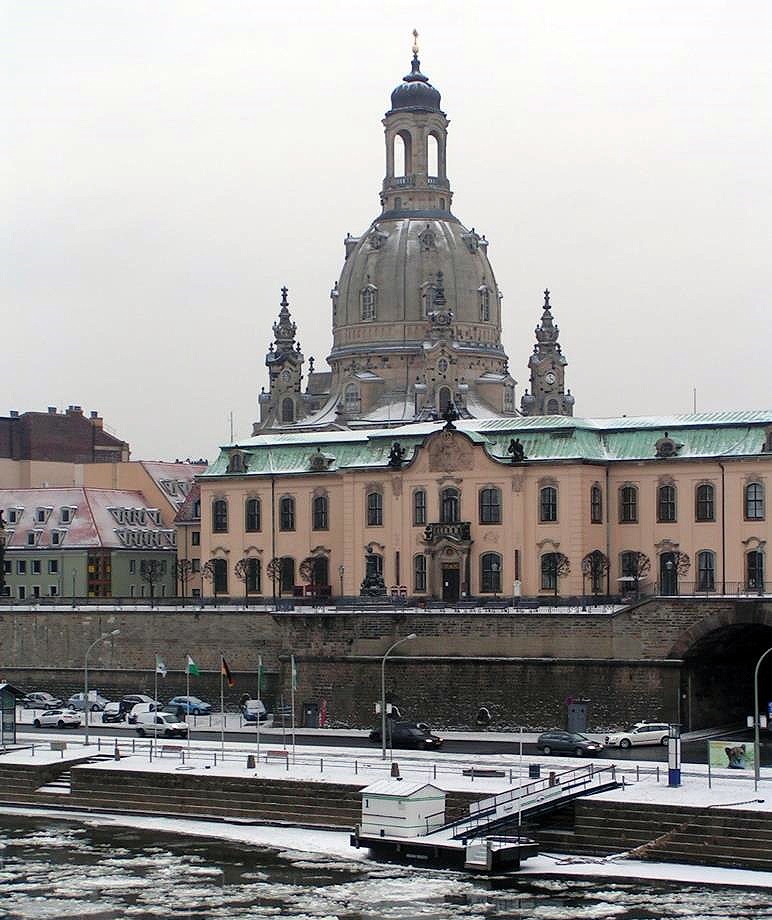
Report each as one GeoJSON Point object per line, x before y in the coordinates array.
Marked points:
{"type": "Point", "coordinates": [732, 755]}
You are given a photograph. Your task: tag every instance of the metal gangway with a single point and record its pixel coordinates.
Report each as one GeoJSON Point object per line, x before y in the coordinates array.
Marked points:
{"type": "Point", "coordinates": [536, 797]}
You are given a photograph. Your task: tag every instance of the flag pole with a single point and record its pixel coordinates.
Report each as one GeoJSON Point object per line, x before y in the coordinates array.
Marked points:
{"type": "Point", "coordinates": [222, 709]}
{"type": "Point", "coordinates": [187, 694]}
{"type": "Point", "coordinates": [257, 713]}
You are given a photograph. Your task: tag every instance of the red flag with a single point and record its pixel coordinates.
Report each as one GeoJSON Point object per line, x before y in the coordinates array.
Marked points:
{"type": "Point", "coordinates": [226, 673]}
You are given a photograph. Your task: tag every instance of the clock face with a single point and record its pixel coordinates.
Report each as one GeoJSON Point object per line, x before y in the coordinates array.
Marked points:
{"type": "Point", "coordinates": [550, 377]}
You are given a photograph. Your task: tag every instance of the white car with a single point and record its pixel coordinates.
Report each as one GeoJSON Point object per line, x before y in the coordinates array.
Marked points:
{"type": "Point", "coordinates": [57, 718]}
{"type": "Point", "coordinates": [640, 733]}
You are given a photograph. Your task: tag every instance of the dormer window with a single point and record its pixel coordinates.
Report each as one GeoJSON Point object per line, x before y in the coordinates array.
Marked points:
{"type": "Point", "coordinates": [41, 515]}
{"type": "Point", "coordinates": [368, 303]}
{"type": "Point", "coordinates": [56, 537]}
{"type": "Point", "coordinates": [14, 515]}
{"type": "Point", "coordinates": [237, 462]}
{"type": "Point", "coordinates": [65, 515]}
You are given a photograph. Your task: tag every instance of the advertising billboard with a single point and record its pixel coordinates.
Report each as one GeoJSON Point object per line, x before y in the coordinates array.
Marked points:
{"type": "Point", "coordinates": [735, 755]}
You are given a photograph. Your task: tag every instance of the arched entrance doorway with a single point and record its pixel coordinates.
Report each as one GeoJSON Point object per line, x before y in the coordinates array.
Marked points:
{"type": "Point", "coordinates": [717, 676]}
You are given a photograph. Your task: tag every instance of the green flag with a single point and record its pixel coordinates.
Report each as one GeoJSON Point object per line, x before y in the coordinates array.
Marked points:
{"type": "Point", "coordinates": [193, 668]}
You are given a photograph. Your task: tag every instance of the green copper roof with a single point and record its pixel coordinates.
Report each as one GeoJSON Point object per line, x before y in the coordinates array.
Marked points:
{"type": "Point", "coordinates": [544, 438]}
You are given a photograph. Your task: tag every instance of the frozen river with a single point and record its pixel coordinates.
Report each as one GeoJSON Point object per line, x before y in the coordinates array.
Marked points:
{"type": "Point", "coordinates": [55, 870]}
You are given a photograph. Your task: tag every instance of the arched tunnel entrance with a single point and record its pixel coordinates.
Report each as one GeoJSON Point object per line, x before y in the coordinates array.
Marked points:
{"type": "Point", "coordinates": [717, 676]}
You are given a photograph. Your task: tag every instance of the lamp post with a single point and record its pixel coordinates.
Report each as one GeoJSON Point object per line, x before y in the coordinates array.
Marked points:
{"type": "Point", "coordinates": [74, 573]}
{"type": "Point", "coordinates": [495, 570]}
{"type": "Point", "coordinates": [115, 632]}
{"type": "Point", "coordinates": [756, 720]}
{"type": "Point", "coordinates": [383, 689]}
{"type": "Point", "coordinates": [341, 573]}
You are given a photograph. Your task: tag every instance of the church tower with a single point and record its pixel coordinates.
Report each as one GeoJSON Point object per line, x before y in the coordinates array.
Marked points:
{"type": "Point", "coordinates": [547, 364]}
{"type": "Point", "coordinates": [283, 404]}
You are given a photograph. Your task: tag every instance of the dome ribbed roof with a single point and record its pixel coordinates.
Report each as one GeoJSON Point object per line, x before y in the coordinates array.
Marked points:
{"type": "Point", "coordinates": [416, 92]}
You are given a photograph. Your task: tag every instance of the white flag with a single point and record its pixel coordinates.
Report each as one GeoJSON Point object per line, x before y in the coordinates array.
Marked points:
{"type": "Point", "coordinates": [160, 667]}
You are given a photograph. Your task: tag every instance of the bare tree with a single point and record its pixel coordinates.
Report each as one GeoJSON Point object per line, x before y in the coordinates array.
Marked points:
{"type": "Point", "coordinates": [209, 572]}
{"type": "Point", "coordinates": [241, 571]}
{"type": "Point", "coordinates": [152, 571]}
{"type": "Point", "coordinates": [558, 566]}
{"type": "Point", "coordinates": [183, 569]}
{"type": "Point", "coordinates": [595, 566]}
{"type": "Point", "coordinates": [273, 571]}
{"type": "Point", "coordinates": [639, 566]}
{"type": "Point", "coordinates": [307, 572]}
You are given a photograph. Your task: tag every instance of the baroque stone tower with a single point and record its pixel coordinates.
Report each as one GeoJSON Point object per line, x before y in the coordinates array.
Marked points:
{"type": "Point", "coordinates": [284, 403]}
{"type": "Point", "coordinates": [547, 364]}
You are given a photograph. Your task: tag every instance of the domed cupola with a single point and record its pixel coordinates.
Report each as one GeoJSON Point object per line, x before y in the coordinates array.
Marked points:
{"type": "Point", "coordinates": [415, 93]}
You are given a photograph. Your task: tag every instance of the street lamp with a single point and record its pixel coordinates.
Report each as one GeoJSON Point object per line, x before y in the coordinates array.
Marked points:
{"type": "Point", "coordinates": [383, 689]}
{"type": "Point", "coordinates": [756, 720]}
{"type": "Point", "coordinates": [74, 573]}
{"type": "Point", "coordinates": [495, 570]}
{"type": "Point", "coordinates": [341, 573]}
{"type": "Point", "coordinates": [115, 632]}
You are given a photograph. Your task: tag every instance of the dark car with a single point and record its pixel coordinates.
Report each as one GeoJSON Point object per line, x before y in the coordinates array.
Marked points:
{"type": "Point", "coordinates": [559, 742]}
{"type": "Point", "coordinates": [407, 735]}
{"type": "Point", "coordinates": [119, 712]}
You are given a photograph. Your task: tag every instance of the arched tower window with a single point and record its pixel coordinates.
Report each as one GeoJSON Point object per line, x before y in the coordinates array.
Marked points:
{"type": "Point", "coordinates": [553, 407]}
{"type": "Point", "coordinates": [287, 410]}
{"type": "Point", "coordinates": [368, 298]}
{"type": "Point", "coordinates": [432, 156]}
{"type": "Point", "coordinates": [351, 398]}
{"type": "Point", "coordinates": [485, 304]}
{"type": "Point", "coordinates": [403, 154]}
{"type": "Point", "coordinates": [445, 399]}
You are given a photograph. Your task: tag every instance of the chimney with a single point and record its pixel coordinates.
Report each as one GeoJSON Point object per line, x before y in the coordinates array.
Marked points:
{"type": "Point", "coordinates": [96, 421]}
{"type": "Point", "coordinates": [14, 413]}
{"type": "Point", "coordinates": [52, 410]}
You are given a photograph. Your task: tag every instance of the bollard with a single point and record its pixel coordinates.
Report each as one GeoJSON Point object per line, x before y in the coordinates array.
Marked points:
{"type": "Point", "coordinates": [637, 773]}
{"type": "Point", "coordinates": [657, 772]}
{"type": "Point", "coordinates": [133, 745]}
{"type": "Point", "coordinates": [321, 764]}
{"type": "Point", "coordinates": [250, 761]}
{"type": "Point", "coordinates": [395, 770]}
{"type": "Point", "coordinates": [472, 774]}
{"type": "Point", "coordinates": [99, 742]}
{"type": "Point", "coordinates": [510, 776]}
{"type": "Point", "coordinates": [356, 768]}
{"type": "Point", "coordinates": [435, 771]}
{"type": "Point", "coordinates": [286, 761]}
{"type": "Point", "coordinates": [215, 759]}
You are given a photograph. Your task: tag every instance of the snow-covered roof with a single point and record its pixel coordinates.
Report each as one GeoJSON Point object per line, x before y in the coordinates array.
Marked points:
{"type": "Point", "coordinates": [398, 788]}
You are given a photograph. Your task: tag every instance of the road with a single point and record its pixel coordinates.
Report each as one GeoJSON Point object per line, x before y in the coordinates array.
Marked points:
{"type": "Point", "coordinates": [691, 752]}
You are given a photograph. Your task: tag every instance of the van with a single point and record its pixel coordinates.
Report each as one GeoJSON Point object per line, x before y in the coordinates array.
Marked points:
{"type": "Point", "coordinates": [139, 708]}
{"type": "Point", "coordinates": [160, 723]}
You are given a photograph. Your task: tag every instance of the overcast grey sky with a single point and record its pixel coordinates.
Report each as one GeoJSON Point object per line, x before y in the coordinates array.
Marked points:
{"type": "Point", "coordinates": [174, 162]}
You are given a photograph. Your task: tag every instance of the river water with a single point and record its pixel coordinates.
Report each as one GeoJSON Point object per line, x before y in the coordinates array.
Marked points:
{"type": "Point", "coordinates": [55, 870]}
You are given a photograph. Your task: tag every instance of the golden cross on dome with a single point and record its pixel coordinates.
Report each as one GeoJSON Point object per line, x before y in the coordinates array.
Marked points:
{"type": "Point", "coordinates": [415, 42]}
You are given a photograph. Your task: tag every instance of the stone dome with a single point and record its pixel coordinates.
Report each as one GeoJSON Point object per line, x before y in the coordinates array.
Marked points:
{"type": "Point", "coordinates": [416, 93]}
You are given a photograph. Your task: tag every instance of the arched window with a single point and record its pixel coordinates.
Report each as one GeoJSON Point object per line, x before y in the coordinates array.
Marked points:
{"type": "Point", "coordinates": [432, 156]}
{"type": "Point", "coordinates": [485, 304]}
{"type": "Point", "coordinates": [368, 298]}
{"type": "Point", "coordinates": [706, 570]}
{"type": "Point", "coordinates": [219, 516]}
{"type": "Point", "coordinates": [321, 513]}
{"type": "Point", "coordinates": [403, 158]}
{"type": "Point", "coordinates": [754, 568]}
{"type": "Point", "coordinates": [197, 509]}
{"type": "Point", "coordinates": [373, 565]}
{"type": "Point", "coordinates": [252, 515]}
{"type": "Point", "coordinates": [220, 576]}
{"type": "Point", "coordinates": [666, 504]}
{"type": "Point", "coordinates": [628, 564]}
{"type": "Point", "coordinates": [445, 399]}
{"type": "Point", "coordinates": [287, 410]}
{"type": "Point", "coordinates": [419, 573]}
{"type": "Point", "coordinates": [754, 502]}
{"type": "Point", "coordinates": [286, 513]}
{"type": "Point", "coordinates": [509, 398]}
{"type": "Point", "coordinates": [254, 577]}
{"type": "Point", "coordinates": [287, 575]}
{"type": "Point", "coordinates": [490, 573]}
{"type": "Point", "coordinates": [351, 398]}
{"type": "Point", "coordinates": [704, 502]}
{"type": "Point", "coordinates": [549, 572]}
{"type": "Point", "coordinates": [553, 407]}
{"type": "Point", "coordinates": [628, 505]}
{"type": "Point", "coordinates": [548, 504]}
{"type": "Point", "coordinates": [490, 505]}
{"type": "Point", "coordinates": [374, 509]}
{"type": "Point", "coordinates": [419, 507]}
{"type": "Point", "coordinates": [596, 504]}
{"type": "Point", "coordinates": [449, 506]}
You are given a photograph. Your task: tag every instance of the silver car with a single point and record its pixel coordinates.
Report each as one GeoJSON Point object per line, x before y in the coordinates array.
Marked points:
{"type": "Point", "coordinates": [640, 733]}
{"type": "Point", "coordinates": [96, 702]}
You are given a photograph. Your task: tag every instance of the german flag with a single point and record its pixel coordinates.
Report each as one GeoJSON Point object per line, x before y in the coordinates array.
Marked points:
{"type": "Point", "coordinates": [226, 672]}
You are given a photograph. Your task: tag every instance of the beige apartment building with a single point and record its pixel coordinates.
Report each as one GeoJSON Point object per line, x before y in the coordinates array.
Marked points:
{"type": "Point", "coordinates": [530, 507]}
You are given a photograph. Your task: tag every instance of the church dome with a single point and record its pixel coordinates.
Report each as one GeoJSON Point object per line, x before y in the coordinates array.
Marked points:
{"type": "Point", "coordinates": [415, 93]}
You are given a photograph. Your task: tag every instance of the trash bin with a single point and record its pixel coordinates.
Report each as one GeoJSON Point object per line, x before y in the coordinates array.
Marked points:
{"type": "Point", "coordinates": [534, 770]}
{"type": "Point", "coordinates": [250, 761]}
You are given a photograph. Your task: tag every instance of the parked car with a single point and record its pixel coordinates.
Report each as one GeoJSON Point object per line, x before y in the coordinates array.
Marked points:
{"type": "Point", "coordinates": [57, 718]}
{"type": "Point", "coordinates": [41, 700]}
{"type": "Point", "coordinates": [559, 742]}
{"type": "Point", "coordinates": [640, 733]}
{"type": "Point", "coordinates": [117, 712]}
{"type": "Point", "coordinates": [96, 702]}
{"type": "Point", "coordinates": [139, 708]}
{"type": "Point", "coordinates": [161, 723]}
{"type": "Point", "coordinates": [134, 698]}
{"type": "Point", "coordinates": [193, 705]}
{"type": "Point", "coordinates": [179, 712]}
{"type": "Point", "coordinates": [253, 710]}
{"type": "Point", "coordinates": [407, 735]}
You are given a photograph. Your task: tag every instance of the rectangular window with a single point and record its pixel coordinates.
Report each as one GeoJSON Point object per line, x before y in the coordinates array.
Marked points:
{"type": "Point", "coordinates": [596, 505]}
{"type": "Point", "coordinates": [628, 505]}
{"type": "Point", "coordinates": [195, 565]}
{"type": "Point", "coordinates": [13, 516]}
{"type": "Point", "coordinates": [40, 515]}
{"type": "Point", "coordinates": [64, 515]}
{"type": "Point", "coordinates": [195, 538]}
{"type": "Point", "coordinates": [31, 539]}
{"type": "Point", "coordinates": [374, 509]}
{"type": "Point", "coordinates": [36, 566]}
{"type": "Point", "coordinates": [55, 538]}
{"type": "Point", "coordinates": [132, 566]}
{"type": "Point", "coordinates": [419, 507]}
{"type": "Point", "coordinates": [21, 592]}
{"type": "Point", "coordinates": [666, 504]}
{"type": "Point", "coordinates": [131, 590]}
{"type": "Point", "coordinates": [36, 590]}
{"type": "Point", "coordinates": [287, 513]}
{"type": "Point", "coordinates": [420, 574]}
{"type": "Point", "coordinates": [21, 567]}
{"type": "Point", "coordinates": [196, 592]}
{"type": "Point", "coordinates": [219, 516]}
{"type": "Point", "coordinates": [53, 566]}
{"type": "Point", "coordinates": [7, 566]}
{"type": "Point", "coordinates": [53, 591]}
{"type": "Point", "coordinates": [490, 506]}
